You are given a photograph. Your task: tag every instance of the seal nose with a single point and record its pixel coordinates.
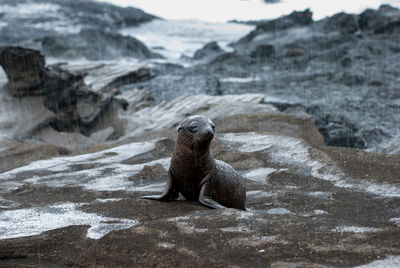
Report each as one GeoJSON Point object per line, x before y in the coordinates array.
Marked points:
{"type": "Point", "coordinates": [208, 132]}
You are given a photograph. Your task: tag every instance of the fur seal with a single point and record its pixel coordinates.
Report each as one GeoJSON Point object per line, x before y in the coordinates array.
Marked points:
{"type": "Point", "coordinates": [196, 174]}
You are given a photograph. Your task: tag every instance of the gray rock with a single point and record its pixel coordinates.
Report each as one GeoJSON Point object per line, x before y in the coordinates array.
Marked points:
{"type": "Point", "coordinates": [96, 44]}
{"type": "Point", "coordinates": [67, 140]}
{"type": "Point", "coordinates": [103, 135]}
{"type": "Point", "coordinates": [301, 197]}
{"type": "Point", "coordinates": [391, 147]}
{"type": "Point", "coordinates": [25, 70]}
{"type": "Point", "coordinates": [207, 51]}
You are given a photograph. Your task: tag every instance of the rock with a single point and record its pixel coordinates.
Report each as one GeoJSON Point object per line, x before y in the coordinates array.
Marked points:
{"type": "Point", "coordinates": [295, 52]}
{"type": "Point", "coordinates": [294, 19]}
{"type": "Point", "coordinates": [168, 115]}
{"type": "Point", "coordinates": [391, 28]}
{"type": "Point", "coordinates": [391, 147]}
{"type": "Point", "coordinates": [207, 51]}
{"type": "Point", "coordinates": [141, 74]}
{"type": "Point", "coordinates": [263, 51]}
{"type": "Point", "coordinates": [136, 99]}
{"type": "Point", "coordinates": [96, 44]}
{"type": "Point", "coordinates": [92, 200]}
{"type": "Point", "coordinates": [66, 104]}
{"type": "Point", "coordinates": [37, 20]}
{"type": "Point", "coordinates": [118, 16]}
{"type": "Point", "coordinates": [372, 19]}
{"type": "Point", "coordinates": [14, 154]}
{"type": "Point", "coordinates": [103, 135]}
{"type": "Point", "coordinates": [25, 70]}
{"type": "Point", "coordinates": [20, 118]}
{"type": "Point", "coordinates": [342, 22]}
{"type": "Point", "coordinates": [67, 140]}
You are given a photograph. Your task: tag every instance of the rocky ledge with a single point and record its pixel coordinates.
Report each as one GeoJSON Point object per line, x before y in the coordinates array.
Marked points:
{"type": "Point", "coordinates": [307, 204]}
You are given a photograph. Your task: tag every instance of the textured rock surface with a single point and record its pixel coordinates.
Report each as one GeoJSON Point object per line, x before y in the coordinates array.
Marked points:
{"type": "Point", "coordinates": [342, 70]}
{"type": "Point", "coordinates": [56, 28]}
{"type": "Point", "coordinates": [308, 205]}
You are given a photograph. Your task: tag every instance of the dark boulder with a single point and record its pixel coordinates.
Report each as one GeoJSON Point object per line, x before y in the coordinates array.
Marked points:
{"type": "Point", "coordinates": [25, 70]}
{"type": "Point", "coordinates": [390, 28]}
{"type": "Point", "coordinates": [74, 106]}
{"type": "Point", "coordinates": [263, 51]}
{"type": "Point", "coordinates": [342, 22]}
{"type": "Point", "coordinates": [296, 18]}
{"type": "Point", "coordinates": [372, 19]}
{"type": "Point", "coordinates": [96, 44]}
{"type": "Point", "coordinates": [139, 75]}
{"type": "Point", "coordinates": [208, 50]}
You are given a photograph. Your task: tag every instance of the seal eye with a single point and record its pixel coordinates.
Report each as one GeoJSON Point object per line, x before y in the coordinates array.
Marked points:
{"type": "Point", "coordinates": [213, 126]}
{"type": "Point", "coordinates": [192, 127]}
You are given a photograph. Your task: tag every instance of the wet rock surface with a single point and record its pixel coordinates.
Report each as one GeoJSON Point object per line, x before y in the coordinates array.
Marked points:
{"type": "Point", "coordinates": [45, 101]}
{"type": "Point", "coordinates": [108, 45]}
{"type": "Point", "coordinates": [307, 204]}
{"type": "Point", "coordinates": [209, 50]}
{"type": "Point", "coordinates": [56, 28]}
{"type": "Point", "coordinates": [342, 70]}
{"type": "Point", "coordinates": [81, 142]}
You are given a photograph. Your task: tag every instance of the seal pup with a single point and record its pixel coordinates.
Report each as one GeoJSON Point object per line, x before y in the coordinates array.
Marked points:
{"type": "Point", "coordinates": [196, 174]}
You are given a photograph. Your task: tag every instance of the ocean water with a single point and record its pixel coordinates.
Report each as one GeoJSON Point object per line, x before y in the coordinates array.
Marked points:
{"type": "Point", "coordinates": [175, 39]}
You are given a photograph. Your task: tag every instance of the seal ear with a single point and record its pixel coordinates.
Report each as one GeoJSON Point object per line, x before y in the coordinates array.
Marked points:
{"type": "Point", "coordinates": [179, 127]}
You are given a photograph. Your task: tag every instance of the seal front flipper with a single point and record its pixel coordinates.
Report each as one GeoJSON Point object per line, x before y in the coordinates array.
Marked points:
{"type": "Point", "coordinates": [205, 197]}
{"type": "Point", "coordinates": [170, 193]}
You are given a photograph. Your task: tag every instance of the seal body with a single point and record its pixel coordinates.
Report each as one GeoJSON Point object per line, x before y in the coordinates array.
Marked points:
{"type": "Point", "coordinates": [196, 174]}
